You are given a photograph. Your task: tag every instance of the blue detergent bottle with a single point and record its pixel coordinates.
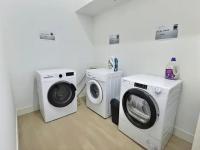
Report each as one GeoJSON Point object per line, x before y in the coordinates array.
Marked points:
{"type": "Point", "coordinates": [116, 65]}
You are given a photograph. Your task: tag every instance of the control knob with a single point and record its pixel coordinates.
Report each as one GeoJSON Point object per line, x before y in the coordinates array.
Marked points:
{"type": "Point", "coordinates": [60, 75]}
{"type": "Point", "coordinates": [158, 91]}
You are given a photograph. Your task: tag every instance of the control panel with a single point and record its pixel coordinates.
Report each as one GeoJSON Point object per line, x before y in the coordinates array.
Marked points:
{"type": "Point", "coordinates": [142, 86]}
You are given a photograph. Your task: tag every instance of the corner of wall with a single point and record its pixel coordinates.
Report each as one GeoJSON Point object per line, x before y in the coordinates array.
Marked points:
{"type": "Point", "coordinates": [26, 110]}
{"type": "Point", "coordinates": [183, 134]}
{"type": "Point", "coordinates": [17, 133]}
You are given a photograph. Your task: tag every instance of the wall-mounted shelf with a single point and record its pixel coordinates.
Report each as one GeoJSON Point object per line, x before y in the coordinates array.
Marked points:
{"type": "Point", "coordinates": [95, 7]}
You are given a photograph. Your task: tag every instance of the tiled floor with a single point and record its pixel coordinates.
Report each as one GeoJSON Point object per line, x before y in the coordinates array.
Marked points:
{"type": "Point", "coordinates": [83, 130]}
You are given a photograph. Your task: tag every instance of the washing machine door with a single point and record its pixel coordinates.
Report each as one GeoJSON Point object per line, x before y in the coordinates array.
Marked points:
{"type": "Point", "coordinates": [61, 94]}
{"type": "Point", "coordinates": [94, 92]}
{"type": "Point", "coordinates": [140, 108]}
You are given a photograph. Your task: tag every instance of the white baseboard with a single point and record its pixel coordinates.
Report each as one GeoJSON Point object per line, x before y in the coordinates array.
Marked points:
{"type": "Point", "coordinates": [26, 110]}
{"type": "Point", "coordinates": [29, 109]}
{"type": "Point", "coordinates": [183, 134]}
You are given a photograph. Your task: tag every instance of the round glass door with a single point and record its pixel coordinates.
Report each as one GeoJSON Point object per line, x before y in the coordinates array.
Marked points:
{"type": "Point", "coordinates": [94, 92]}
{"type": "Point", "coordinates": [61, 94]}
{"type": "Point", "coordinates": [140, 108]}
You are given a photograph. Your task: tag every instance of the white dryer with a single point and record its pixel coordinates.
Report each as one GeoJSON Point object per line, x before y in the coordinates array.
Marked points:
{"type": "Point", "coordinates": [101, 86]}
{"type": "Point", "coordinates": [148, 107]}
{"type": "Point", "coordinates": [57, 93]}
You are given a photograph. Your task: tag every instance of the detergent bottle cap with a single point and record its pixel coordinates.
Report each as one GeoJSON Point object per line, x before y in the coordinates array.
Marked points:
{"type": "Point", "coordinates": [173, 59]}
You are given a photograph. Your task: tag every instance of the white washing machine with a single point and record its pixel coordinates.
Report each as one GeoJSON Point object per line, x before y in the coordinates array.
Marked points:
{"type": "Point", "coordinates": [148, 107]}
{"type": "Point", "coordinates": [101, 86]}
{"type": "Point", "coordinates": [57, 93]}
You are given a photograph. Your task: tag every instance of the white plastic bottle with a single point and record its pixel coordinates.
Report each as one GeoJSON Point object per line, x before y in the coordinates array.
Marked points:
{"type": "Point", "coordinates": [113, 63]}
{"type": "Point", "coordinates": [172, 71]}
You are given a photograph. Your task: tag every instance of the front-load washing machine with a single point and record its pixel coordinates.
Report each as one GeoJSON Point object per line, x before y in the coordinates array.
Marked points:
{"type": "Point", "coordinates": [101, 86]}
{"type": "Point", "coordinates": [148, 107]}
{"type": "Point", "coordinates": [57, 93]}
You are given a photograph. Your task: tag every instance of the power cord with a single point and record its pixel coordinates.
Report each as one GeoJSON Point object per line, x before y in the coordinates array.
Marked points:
{"type": "Point", "coordinates": [81, 90]}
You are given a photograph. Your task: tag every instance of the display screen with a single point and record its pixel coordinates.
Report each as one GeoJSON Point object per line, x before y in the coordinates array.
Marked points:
{"type": "Point", "coordinates": [143, 86]}
{"type": "Point", "coordinates": [69, 73]}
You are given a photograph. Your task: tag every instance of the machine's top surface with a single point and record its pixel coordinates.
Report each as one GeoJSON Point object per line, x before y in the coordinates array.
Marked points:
{"type": "Point", "coordinates": [103, 72]}
{"type": "Point", "coordinates": [54, 71]}
{"type": "Point", "coordinates": [153, 80]}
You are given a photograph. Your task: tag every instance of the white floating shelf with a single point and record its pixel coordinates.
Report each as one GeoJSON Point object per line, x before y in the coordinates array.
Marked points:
{"type": "Point", "coordinates": [95, 7]}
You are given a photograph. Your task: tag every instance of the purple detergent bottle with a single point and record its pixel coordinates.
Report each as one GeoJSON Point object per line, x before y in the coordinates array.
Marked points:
{"type": "Point", "coordinates": [172, 70]}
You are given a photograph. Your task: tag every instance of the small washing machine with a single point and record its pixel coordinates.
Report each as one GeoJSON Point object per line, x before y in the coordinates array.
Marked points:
{"type": "Point", "coordinates": [101, 86]}
{"type": "Point", "coordinates": [57, 93]}
{"type": "Point", "coordinates": [148, 107]}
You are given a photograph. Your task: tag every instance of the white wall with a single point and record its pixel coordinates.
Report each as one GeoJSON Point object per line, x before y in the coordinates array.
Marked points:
{"type": "Point", "coordinates": [138, 52]}
{"type": "Point", "coordinates": [26, 53]}
{"type": "Point", "coordinates": [8, 126]}
{"type": "Point", "coordinates": [87, 23]}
